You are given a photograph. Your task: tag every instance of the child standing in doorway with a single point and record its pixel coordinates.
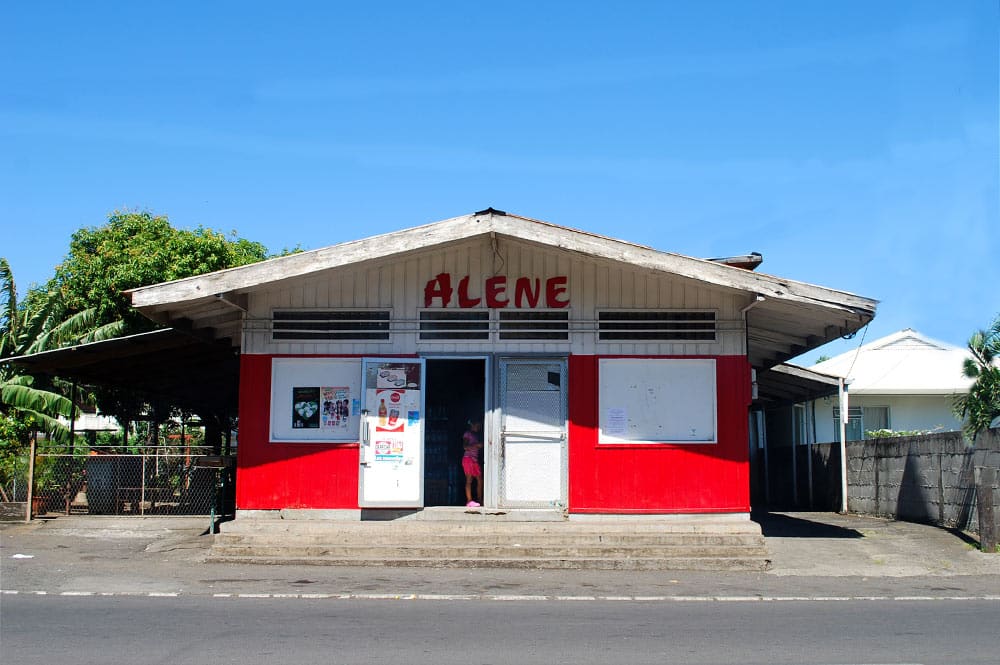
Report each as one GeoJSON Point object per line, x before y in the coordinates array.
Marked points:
{"type": "Point", "coordinates": [472, 443]}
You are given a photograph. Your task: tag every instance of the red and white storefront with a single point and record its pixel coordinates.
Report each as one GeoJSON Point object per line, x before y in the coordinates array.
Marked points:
{"type": "Point", "coordinates": [609, 377]}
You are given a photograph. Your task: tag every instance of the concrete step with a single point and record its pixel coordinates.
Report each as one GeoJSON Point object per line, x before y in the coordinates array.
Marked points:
{"type": "Point", "coordinates": [415, 528]}
{"type": "Point", "coordinates": [490, 539]}
{"type": "Point", "coordinates": [427, 551]}
{"type": "Point", "coordinates": [729, 564]}
{"type": "Point", "coordinates": [600, 544]}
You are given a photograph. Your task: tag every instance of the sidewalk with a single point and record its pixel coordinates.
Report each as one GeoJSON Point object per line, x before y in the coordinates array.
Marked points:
{"type": "Point", "coordinates": [815, 555]}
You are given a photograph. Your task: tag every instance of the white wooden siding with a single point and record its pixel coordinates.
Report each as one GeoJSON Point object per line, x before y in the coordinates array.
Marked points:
{"type": "Point", "coordinates": [593, 284]}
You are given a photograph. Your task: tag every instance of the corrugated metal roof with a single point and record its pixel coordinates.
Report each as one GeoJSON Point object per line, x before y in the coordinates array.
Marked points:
{"type": "Point", "coordinates": [904, 363]}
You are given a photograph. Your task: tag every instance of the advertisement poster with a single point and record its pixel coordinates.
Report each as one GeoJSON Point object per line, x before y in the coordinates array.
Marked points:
{"type": "Point", "coordinates": [305, 407]}
{"type": "Point", "coordinates": [390, 406]}
{"type": "Point", "coordinates": [405, 376]}
{"type": "Point", "coordinates": [336, 412]}
{"type": "Point", "coordinates": [389, 449]}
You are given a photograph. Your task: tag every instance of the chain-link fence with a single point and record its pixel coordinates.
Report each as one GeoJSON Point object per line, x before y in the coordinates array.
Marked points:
{"type": "Point", "coordinates": [14, 479]}
{"type": "Point", "coordinates": [157, 481]}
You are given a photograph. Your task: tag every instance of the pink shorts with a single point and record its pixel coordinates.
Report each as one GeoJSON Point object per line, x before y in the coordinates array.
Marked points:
{"type": "Point", "coordinates": [471, 467]}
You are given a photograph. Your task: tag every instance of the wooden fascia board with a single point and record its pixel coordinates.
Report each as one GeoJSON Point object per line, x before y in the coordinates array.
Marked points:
{"type": "Point", "coordinates": [685, 266]}
{"type": "Point", "coordinates": [307, 263]}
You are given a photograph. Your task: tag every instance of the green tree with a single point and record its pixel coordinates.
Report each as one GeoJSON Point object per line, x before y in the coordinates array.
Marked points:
{"type": "Point", "coordinates": [981, 404]}
{"type": "Point", "coordinates": [136, 249]}
{"type": "Point", "coordinates": [132, 249]}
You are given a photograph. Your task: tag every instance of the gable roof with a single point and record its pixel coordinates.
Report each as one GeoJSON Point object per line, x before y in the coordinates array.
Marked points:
{"type": "Point", "coordinates": [903, 363]}
{"type": "Point", "coordinates": [788, 317]}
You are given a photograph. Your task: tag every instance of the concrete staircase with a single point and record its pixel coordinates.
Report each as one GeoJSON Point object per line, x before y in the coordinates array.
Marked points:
{"type": "Point", "coordinates": [606, 544]}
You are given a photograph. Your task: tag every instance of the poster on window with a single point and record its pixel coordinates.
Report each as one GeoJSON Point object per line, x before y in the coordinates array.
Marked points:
{"type": "Point", "coordinates": [389, 449]}
{"type": "Point", "coordinates": [403, 377]}
{"type": "Point", "coordinates": [392, 408]}
{"type": "Point", "coordinates": [336, 403]}
{"type": "Point", "coordinates": [308, 400]}
{"type": "Point", "coordinates": [305, 407]}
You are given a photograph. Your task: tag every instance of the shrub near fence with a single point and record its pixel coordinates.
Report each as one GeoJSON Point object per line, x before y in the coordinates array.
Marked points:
{"type": "Point", "coordinates": [929, 478]}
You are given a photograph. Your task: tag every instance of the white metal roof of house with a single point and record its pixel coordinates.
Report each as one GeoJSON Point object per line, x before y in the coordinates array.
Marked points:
{"type": "Point", "coordinates": [788, 317]}
{"type": "Point", "coordinates": [903, 363]}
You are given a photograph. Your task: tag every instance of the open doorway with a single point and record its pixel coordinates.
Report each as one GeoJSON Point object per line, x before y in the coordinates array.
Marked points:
{"type": "Point", "coordinates": [456, 394]}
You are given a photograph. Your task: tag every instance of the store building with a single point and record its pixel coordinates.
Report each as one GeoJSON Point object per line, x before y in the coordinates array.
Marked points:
{"type": "Point", "coordinates": [609, 377]}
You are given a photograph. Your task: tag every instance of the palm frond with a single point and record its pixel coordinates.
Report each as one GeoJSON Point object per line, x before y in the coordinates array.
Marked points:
{"type": "Point", "coordinates": [56, 431]}
{"type": "Point", "coordinates": [60, 333]}
{"type": "Point", "coordinates": [101, 333]}
{"type": "Point", "coordinates": [16, 394]}
{"type": "Point", "coordinates": [33, 326]}
{"type": "Point", "coordinates": [8, 311]}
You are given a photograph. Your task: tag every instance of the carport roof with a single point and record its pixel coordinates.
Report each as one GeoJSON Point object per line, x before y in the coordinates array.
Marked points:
{"type": "Point", "coordinates": [792, 384]}
{"type": "Point", "coordinates": [171, 364]}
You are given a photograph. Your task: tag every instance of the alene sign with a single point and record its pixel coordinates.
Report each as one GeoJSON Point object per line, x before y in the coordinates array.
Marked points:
{"type": "Point", "coordinates": [527, 293]}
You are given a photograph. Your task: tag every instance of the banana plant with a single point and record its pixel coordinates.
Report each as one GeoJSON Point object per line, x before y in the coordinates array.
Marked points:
{"type": "Point", "coordinates": [39, 325]}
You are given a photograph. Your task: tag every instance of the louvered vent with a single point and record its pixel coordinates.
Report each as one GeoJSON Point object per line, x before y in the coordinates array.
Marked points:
{"type": "Point", "coordinates": [534, 325]}
{"type": "Point", "coordinates": [454, 325]}
{"type": "Point", "coordinates": [330, 325]}
{"type": "Point", "coordinates": [672, 326]}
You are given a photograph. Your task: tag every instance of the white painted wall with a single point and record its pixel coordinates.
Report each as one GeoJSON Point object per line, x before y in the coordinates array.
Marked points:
{"type": "Point", "coordinates": [399, 285]}
{"type": "Point", "coordinates": [906, 412]}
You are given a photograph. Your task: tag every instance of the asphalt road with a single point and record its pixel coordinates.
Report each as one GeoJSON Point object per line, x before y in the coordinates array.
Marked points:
{"type": "Point", "coordinates": [114, 630]}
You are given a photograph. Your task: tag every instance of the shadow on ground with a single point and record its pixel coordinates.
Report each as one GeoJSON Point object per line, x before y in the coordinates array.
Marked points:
{"type": "Point", "coordinates": [776, 525]}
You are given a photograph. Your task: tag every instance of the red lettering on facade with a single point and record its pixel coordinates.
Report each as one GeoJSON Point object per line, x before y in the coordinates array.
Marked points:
{"type": "Point", "coordinates": [523, 292]}
{"type": "Point", "coordinates": [555, 287]}
{"type": "Point", "coordinates": [495, 287]}
{"type": "Point", "coordinates": [464, 301]}
{"type": "Point", "coordinates": [439, 287]}
{"type": "Point", "coordinates": [527, 292]}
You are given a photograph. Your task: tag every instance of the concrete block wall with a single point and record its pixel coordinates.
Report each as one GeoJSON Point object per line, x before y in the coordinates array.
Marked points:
{"type": "Point", "coordinates": [930, 478]}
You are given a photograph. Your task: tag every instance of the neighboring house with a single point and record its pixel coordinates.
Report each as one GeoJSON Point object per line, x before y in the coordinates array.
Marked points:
{"type": "Point", "coordinates": [91, 422]}
{"type": "Point", "coordinates": [902, 382]}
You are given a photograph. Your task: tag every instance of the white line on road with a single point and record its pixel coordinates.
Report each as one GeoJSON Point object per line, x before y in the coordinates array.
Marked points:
{"type": "Point", "coordinates": [513, 597]}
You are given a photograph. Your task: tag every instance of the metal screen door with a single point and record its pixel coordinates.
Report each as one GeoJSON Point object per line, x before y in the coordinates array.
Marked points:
{"type": "Point", "coordinates": [532, 433]}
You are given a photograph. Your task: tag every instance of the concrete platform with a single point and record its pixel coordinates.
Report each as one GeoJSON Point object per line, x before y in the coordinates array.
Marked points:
{"type": "Point", "coordinates": [459, 538]}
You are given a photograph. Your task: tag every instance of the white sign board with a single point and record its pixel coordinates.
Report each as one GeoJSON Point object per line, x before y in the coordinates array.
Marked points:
{"type": "Point", "coordinates": [315, 400]}
{"type": "Point", "coordinates": [657, 400]}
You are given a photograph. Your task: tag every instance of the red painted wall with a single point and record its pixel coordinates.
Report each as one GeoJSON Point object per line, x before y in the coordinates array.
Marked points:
{"type": "Point", "coordinates": [286, 475]}
{"type": "Point", "coordinates": [641, 478]}
{"type": "Point", "coordinates": [660, 478]}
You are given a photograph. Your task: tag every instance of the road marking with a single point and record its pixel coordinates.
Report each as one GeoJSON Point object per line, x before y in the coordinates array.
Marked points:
{"type": "Point", "coordinates": [512, 597]}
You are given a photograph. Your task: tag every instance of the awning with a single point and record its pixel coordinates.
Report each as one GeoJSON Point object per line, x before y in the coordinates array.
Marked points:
{"type": "Point", "coordinates": [791, 384]}
{"type": "Point", "coordinates": [177, 366]}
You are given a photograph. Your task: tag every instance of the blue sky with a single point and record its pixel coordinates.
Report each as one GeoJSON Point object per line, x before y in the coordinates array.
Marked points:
{"type": "Point", "coordinates": [853, 144]}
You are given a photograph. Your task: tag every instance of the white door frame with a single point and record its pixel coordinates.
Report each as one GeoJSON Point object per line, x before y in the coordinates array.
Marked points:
{"type": "Point", "coordinates": [490, 454]}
